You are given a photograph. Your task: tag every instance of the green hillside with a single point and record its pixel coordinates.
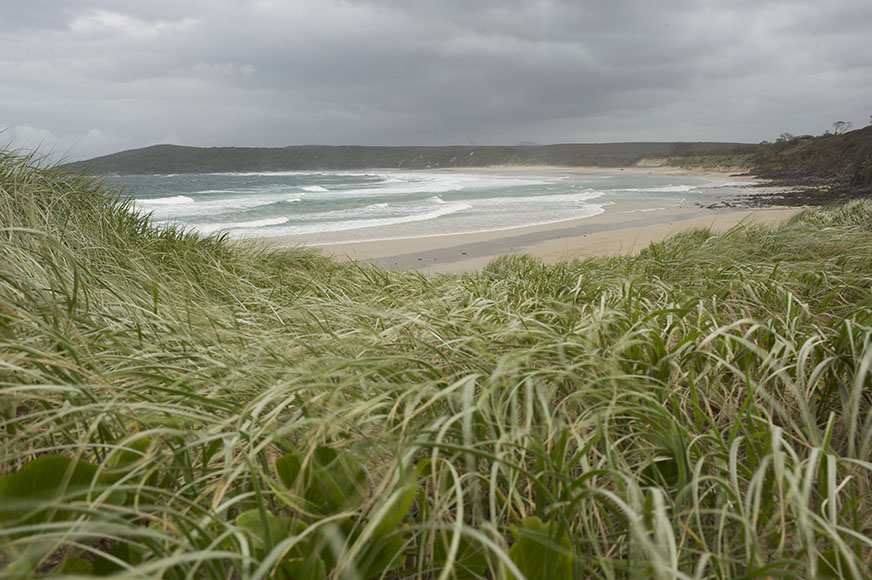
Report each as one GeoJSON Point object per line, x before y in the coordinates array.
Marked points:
{"type": "Point", "coordinates": [844, 159]}
{"type": "Point", "coordinates": [181, 407]}
{"type": "Point", "coordinates": [162, 159]}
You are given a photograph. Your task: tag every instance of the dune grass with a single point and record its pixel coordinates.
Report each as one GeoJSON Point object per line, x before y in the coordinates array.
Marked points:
{"type": "Point", "coordinates": [181, 407]}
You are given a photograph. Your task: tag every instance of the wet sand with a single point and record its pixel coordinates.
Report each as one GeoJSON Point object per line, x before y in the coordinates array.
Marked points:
{"type": "Point", "coordinates": [602, 235]}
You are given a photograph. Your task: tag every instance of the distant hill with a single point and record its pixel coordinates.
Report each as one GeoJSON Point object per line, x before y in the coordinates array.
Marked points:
{"type": "Point", "coordinates": [840, 164]}
{"type": "Point", "coordinates": [163, 159]}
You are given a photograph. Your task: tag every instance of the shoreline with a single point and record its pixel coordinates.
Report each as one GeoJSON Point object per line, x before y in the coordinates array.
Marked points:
{"type": "Point", "coordinates": [601, 235]}
{"type": "Point", "coordinates": [654, 169]}
{"type": "Point", "coordinates": [604, 234]}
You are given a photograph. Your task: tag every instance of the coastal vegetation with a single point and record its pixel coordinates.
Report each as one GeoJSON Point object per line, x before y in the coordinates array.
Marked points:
{"type": "Point", "coordinates": [176, 406]}
{"type": "Point", "coordinates": [175, 159]}
{"type": "Point", "coordinates": [841, 159]}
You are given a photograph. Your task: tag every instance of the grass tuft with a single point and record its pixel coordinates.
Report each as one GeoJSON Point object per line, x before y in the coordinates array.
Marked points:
{"type": "Point", "coordinates": [217, 410]}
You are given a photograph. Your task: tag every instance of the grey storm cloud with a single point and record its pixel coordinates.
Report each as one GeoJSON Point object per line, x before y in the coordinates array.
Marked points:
{"type": "Point", "coordinates": [89, 77]}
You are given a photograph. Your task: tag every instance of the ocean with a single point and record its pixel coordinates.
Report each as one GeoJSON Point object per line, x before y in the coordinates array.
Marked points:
{"type": "Point", "coordinates": [327, 207]}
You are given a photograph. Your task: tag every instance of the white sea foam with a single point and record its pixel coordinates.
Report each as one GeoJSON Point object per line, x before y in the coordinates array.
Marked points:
{"type": "Point", "coordinates": [313, 188]}
{"type": "Point", "coordinates": [664, 189]}
{"type": "Point", "coordinates": [240, 192]}
{"type": "Point", "coordinates": [185, 207]}
{"type": "Point", "coordinates": [267, 173]}
{"type": "Point", "coordinates": [346, 225]}
{"type": "Point", "coordinates": [540, 201]}
{"type": "Point", "coordinates": [476, 226]}
{"type": "Point", "coordinates": [410, 183]}
{"type": "Point", "coordinates": [174, 200]}
{"type": "Point", "coordinates": [380, 210]}
{"type": "Point", "coordinates": [400, 188]}
{"type": "Point", "coordinates": [249, 225]}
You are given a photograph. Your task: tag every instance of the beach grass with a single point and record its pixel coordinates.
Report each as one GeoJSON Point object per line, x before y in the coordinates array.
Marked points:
{"type": "Point", "coordinates": [178, 406]}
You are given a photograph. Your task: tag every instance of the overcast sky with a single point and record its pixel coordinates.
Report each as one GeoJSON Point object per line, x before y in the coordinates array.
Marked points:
{"type": "Point", "coordinates": [90, 77]}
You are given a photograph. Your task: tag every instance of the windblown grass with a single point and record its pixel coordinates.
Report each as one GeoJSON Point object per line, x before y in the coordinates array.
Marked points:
{"type": "Point", "coordinates": [179, 407]}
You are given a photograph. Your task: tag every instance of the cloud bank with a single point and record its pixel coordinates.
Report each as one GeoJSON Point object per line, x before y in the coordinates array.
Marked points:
{"type": "Point", "coordinates": [89, 77]}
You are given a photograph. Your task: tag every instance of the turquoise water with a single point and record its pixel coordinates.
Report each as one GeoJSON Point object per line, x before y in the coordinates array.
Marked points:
{"type": "Point", "coordinates": [333, 207]}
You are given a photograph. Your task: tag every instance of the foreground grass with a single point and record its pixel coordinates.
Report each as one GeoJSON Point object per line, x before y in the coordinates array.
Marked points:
{"type": "Point", "coordinates": [179, 407]}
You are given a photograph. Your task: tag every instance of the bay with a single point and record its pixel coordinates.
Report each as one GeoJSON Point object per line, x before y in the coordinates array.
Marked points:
{"type": "Point", "coordinates": [326, 207]}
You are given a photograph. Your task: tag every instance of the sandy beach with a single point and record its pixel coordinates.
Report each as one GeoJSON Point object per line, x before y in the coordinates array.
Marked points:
{"type": "Point", "coordinates": [602, 235]}
{"type": "Point", "coordinates": [620, 231]}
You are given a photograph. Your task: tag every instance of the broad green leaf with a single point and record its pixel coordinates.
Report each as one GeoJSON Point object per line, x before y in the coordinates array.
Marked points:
{"type": "Point", "coordinates": [834, 564]}
{"type": "Point", "coordinates": [300, 562]}
{"type": "Point", "coordinates": [399, 508]}
{"type": "Point", "coordinates": [131, 453]}
{"type": "Point", "coordinates": [48, 476]}
{"type": "Point", "coordinates": [663, 471]}
{"type": "Point", "coordinates": [305, 567]}
{"type": "Point", "coordinates": [252, 522]}
{"type": "Point", "coordinates": [288, 468]}
{"type": "Point", "coordinates": [330, 481]}
{"type": "Point", "coordinates": [53, 478]}
{"type": "Point", "coordinates": [470, 562]}
{"type": "Point", "coordinates": [122, 551]}
{"type": "Point", "coordinates": [76, 566]}
{"type": "Point", "coordinates": [382, 555]}
{"type": "Point", "coordinates": [336, 484]}
{"type": "Point", "coordinates": [539, 553]}
{"type": "Point", "coordinates": [325, 455]}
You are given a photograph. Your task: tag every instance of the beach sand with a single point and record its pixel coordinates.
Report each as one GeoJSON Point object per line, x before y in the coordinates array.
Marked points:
{"type": "Point", "coordinates": [602, 235]}
{"type": "Point", "coordinates": [625, 231]}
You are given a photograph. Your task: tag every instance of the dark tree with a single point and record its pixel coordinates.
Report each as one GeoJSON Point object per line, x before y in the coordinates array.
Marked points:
{"type": "Point", "coordinates": [840, 127]}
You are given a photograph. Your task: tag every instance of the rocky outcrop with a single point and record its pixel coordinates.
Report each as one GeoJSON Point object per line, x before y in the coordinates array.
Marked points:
{"type": "Point", "coordinates": [833, 159]}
